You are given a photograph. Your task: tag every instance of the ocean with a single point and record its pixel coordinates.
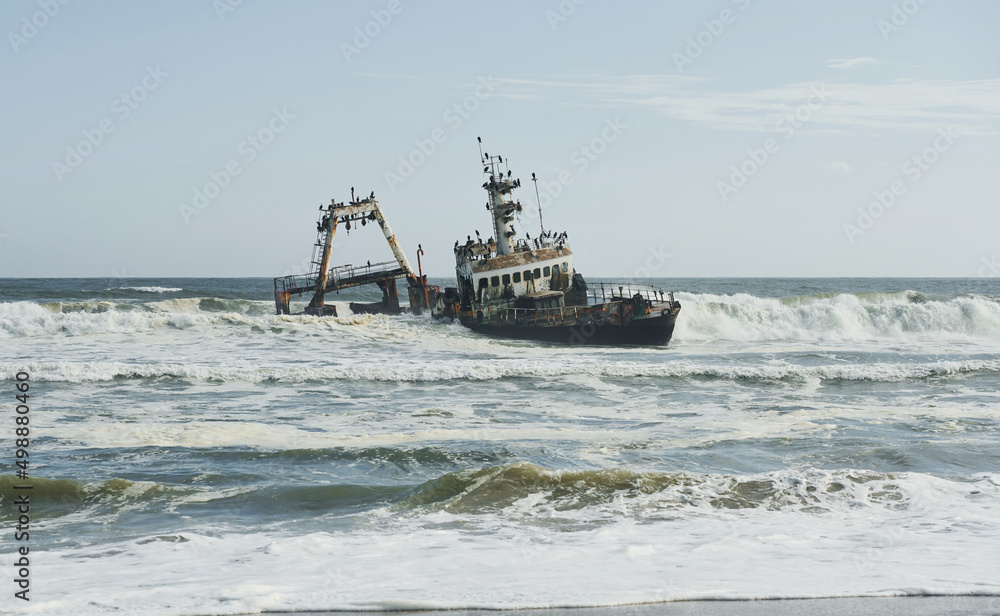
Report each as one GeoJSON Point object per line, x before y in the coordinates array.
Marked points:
{"type": "Point", "coordinates": [192, 453]}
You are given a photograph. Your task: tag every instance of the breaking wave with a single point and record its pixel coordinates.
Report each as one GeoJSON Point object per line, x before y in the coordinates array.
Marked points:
{"type": "Point", "coordinates": [824, 317]}
{"type": "Point", "coordinates": [525, 489]}
{"type": "Point", "coordinates": [506, 368]}
{"type": "Point", "coordinates": [60, 496]}
{"type": "Point", "coordinates": [540, 491]}
{"type": "Point", "coordinates": [25, 319]}
{"type": "Point", "coordinates": [836, 317]}
{"type": "Point", "coordinates": [147, 289]}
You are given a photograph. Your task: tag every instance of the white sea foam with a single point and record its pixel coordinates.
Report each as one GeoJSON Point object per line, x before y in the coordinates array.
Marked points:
{"type": "Point", "coordinates": [904, 534]}
{"type": "Point", "coordinates": [597, 443]}
{"type": "Point", "coordinates": [873, 316]}
{"type": "Point", "coordinates": [147, 289]}
{"type": "Point", "coordinates": [385, 387]}
{"type": "Point", "coordinates": [206, 404]}
{"type": "Point", "coordinates": [29, 319]}
{"type": "Point", "coordinates": [704, 318]}
{"type": "Point", "coordinates": [446, 370]}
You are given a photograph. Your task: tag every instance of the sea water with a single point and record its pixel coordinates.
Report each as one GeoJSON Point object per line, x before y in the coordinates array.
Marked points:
{"type": "Point", "coordinates": [194, 453]}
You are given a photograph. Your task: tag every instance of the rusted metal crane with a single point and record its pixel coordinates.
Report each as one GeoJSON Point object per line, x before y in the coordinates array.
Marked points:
{"type": "Point", "coordinates": [326, 279]}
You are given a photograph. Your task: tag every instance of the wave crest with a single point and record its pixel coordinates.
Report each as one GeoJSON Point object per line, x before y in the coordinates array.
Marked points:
{"type": "Point", "coordinates": [536, 490]}
{"type": "Point", "coordinates": [84, 372]}
{"type": "Point", "coordinates": [824, 317]}
{"type": "Point", "coordinates": [836, 317]}
{"type": "Point", "coordinates": [26, 319]}
{"type": "Point", "coordinates": [147, 289]}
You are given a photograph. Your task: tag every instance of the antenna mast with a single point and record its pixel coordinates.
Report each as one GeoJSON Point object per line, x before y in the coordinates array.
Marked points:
{"type": "Point", "coordinates": [539, 201]}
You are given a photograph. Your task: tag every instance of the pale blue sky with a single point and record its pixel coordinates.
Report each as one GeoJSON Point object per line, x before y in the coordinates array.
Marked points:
{"type": "Point", "coordinates": [872, 94]}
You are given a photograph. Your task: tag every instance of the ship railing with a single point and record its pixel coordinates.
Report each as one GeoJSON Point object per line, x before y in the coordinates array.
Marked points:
{"type": "Point", "coordinates": [350, 272]}
{"type": "Point", "coordinates": [296, 283]}
{"type": "Point", "coordinates": [601, 292]}
{"type": "Point", "coordinates": [338, 277]}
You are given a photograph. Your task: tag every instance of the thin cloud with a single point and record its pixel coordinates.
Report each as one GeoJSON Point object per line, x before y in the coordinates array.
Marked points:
{"type": "Point", "coordinates": [900, 105]}
{"type": "Point", "coordinates": [520, 96]}
{"type": "Point", "coordinates": [850, 63]}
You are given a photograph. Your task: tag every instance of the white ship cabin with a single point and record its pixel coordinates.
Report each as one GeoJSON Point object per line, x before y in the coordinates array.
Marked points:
{"type": "Point", "coordinates": [494, 278]}
{"type": "Point", "coordinates": [504, 267]}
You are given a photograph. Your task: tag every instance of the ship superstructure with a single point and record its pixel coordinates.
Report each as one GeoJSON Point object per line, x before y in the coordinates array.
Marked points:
{"type": "Point", "coordinates": [528, 288]}
{"type": "Point", "coordinates": [504, 267]}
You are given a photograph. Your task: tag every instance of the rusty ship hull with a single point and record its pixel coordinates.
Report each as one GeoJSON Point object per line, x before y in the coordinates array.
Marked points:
{"type": "Point", "coordinates": [648, 330]}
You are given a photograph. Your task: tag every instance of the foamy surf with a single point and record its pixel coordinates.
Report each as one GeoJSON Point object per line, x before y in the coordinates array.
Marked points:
{"type": "Point", "coordinates": [839, 317]}
{"type": "Point", "coordinates": [786, 444]}
{"type": "Point", "coordinates": [29, 319]}
{"type": "Point", "coordinates": [434, 371]}
{"type": "Point", "coordinates": [553, 551]}
{"type": "Point", "coordinates": [705, 317]}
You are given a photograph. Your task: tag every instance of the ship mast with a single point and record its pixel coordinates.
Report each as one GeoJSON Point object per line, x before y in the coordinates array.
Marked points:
{"type": "Point", "coordinates": [538, 200]}
{"type": "Point", "coordinates": [501, 204]}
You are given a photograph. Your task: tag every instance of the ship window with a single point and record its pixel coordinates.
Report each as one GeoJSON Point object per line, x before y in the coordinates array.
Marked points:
{"type": "Point", "coordinates": [538, 273]}
{"type": "Point", "coordinates": [565, 267]}
{"type": "Point", "coordinates": [483, 283]}
{"type": "Point", "coordinates": [506, 279]}
{"type": "Point", "coordinates": [547, 271]}
{"type": "Point", "coordinates": [527, 275]}
{"type": "Point", "coordinates": [517, 276]}
{"type": "Point", "coordinates": [495, 281]}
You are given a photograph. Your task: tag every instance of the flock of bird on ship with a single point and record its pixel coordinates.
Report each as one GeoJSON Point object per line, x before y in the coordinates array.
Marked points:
{"type": "Point", "coordinates": [489, 247]}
